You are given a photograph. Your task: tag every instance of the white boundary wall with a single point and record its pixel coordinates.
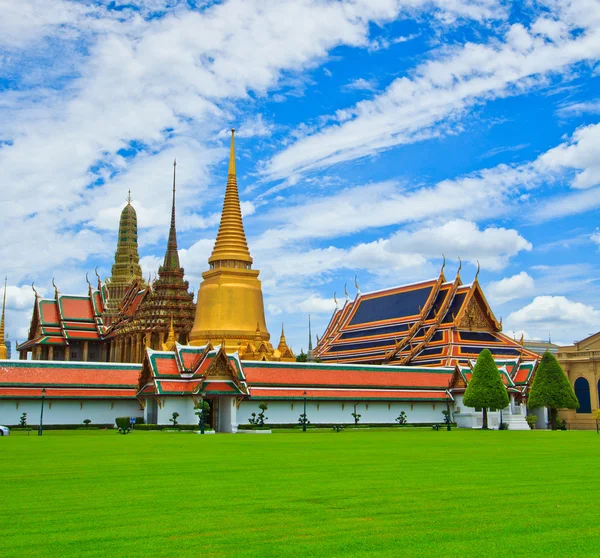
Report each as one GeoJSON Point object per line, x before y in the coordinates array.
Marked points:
{"type": "Point", "coordinates": [68, 411]}
{"type": "Point", "coordinates": [338, 412]}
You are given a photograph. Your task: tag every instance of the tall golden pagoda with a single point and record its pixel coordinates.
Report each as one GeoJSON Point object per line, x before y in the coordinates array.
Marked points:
{"type": "Point", "coordinates": [230, 304]}
{"type": "Point", "coordinates": [3, 348]}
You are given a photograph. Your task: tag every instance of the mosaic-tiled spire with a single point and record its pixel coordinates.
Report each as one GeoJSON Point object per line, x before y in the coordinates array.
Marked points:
{"type": "Point", "coordinates": [127, 259]}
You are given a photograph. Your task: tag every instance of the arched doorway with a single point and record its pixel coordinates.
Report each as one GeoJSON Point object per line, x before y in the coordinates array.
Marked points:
{"type": "Point", "coordinates": [582, 391]}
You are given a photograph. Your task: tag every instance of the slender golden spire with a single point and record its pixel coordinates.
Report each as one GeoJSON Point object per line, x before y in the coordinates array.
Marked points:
{"type": "Point", "coordinates": [3, 349]}
{"type": "Point", "coordinates": [231, 245]}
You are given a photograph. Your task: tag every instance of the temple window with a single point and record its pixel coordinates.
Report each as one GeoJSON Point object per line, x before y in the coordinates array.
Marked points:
{"type": "Point", "coordinates": [582, 391]}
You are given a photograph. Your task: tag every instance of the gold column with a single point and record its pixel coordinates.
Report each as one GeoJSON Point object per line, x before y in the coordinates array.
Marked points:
{"type": "Point", "coordinates": [85, 351]}
{"type": "Point", "coordinates": [51, 352]}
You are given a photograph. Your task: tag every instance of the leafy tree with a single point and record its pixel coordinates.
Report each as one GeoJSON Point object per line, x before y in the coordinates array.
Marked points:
{"type": "Point", "coordinates": [401, 418]}
{"type": "Point", "coordinates": [174, 417]}
{"type": "Point", "coordinates": [199, 406]}
{"type": "Point", "coordinates": [486, 388]}
{"type": "Point", "coordinates": [23, 420]}
{"type": "Point", "coordinates": [551, 388]}
{"type": "Point", "coordinates": [301, 357]}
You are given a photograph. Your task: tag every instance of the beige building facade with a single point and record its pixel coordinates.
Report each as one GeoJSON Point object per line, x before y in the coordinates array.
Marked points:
{"type": "Point", "coordinates": [581, 363]}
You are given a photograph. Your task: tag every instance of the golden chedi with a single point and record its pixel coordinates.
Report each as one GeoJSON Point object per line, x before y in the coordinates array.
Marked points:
{"type": "Point", "coordinates": [230, 306]}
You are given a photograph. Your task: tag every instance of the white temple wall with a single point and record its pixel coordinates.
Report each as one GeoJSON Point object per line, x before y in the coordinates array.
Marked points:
{"type": "Point", "coordinates": [184, 405]}
{"type": "Point", "coordinates": [68, 411]}
{"type": "Point", "coordinates": [334, 412]}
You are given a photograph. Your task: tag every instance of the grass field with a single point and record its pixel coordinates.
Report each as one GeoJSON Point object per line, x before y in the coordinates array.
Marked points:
{"type": "Point", "coordinates": [404, 492]}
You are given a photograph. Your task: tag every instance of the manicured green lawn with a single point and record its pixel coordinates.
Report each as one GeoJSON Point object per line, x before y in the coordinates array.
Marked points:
{"type": "Point", "coordinates": [395, 493]}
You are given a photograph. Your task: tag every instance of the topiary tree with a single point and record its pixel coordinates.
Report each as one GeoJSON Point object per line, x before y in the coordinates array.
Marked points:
{"type": "Point", "coordinates": [486, 388]}
{"type": "Point", "coordinates": [23, 420]}
{"type": "Point", "coordinates": [174, 418]}
{"type": "Point", "coordinates": [551, 388]}
{"type": "Point", "coordinates": [401, 418]}
{"type": "Point", "coordinates": [87, 422]}
{"type": "Point", "coordinates": [259, 420]}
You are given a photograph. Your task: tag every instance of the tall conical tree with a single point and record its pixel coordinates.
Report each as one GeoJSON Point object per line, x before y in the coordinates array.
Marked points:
{"type": "Point", "coordinates": [486, 388]}
{"type": "Point", "coordinates": [551, 388]}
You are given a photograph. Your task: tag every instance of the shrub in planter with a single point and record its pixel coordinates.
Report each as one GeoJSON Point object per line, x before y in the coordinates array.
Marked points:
{"type": "Point", "coordinates": [531, 420]}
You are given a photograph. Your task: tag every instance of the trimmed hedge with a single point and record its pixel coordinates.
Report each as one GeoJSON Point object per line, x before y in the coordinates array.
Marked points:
{"type": "Point", "coordinates": [61, 427]}
{"type": "Point", "coordinates": [171, 427]}
{"type": "Point", "coordinates": [123, 422]}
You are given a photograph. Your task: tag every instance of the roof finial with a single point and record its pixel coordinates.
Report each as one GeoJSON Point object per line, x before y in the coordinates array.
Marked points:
{"type": "Point", "coordinates": [443, 264]}
{"type": "Point", "coordinates": [33, 289]}
{"type": "Point", "coordinates": [98, 276]}
{"type": "Point", "coordinates": [459, 266]}
{"type": "Point", "coordinates": [346, 292]}
{"type": "Point", "coordinates": [356, 284]}
{"type": "Point", "coordinates": [478, 270]}
{"type": "Point", "coordinates": [336, 301]}
{"type": "Point", "coordinates": [310, 355]}
{"type": "Point", "coordinates": [87, 280]}
{"type": "Point", "coordinates": [129, 197]}
{"type": "Point", "coordinates": [55, 287]}
{"type": "Point", "coordinates": [3, 348]}
{"type": "Point", "coordinates": [231, 169]}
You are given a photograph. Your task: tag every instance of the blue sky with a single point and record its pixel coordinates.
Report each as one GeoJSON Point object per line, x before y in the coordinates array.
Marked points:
{"type": "Point", "coordinates": [373, 136]}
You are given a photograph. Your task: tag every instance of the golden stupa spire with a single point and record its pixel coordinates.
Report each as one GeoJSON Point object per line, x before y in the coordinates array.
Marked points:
{"type": "Point", "coordinates": [3, 349]}
{"type": "Point", "coordinates": [169, 344]}
{"type": "Point", "coordinates": [231, 245]}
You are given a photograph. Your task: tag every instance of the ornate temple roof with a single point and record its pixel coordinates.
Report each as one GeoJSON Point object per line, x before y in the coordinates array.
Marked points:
{"type": "Point", "coordinates": [65, 318]}
{"type": "Point", "coordinates": [430, 323]}
{"type": "Point", "coordinates": [192, 370]}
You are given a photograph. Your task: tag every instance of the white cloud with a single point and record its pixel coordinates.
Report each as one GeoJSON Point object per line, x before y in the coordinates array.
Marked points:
{"type": "Point", "coordinates": [441, 89]}
{"type": "Point", "coordinates": [577, 109]}
{"type": "Point", "coordinates": [558, 309]}
{"type": "Point", "coordinates": [579, 154]}
{"type": "Point", "coordinates": [595, 238]}
{"type": "Point", "coordinates": [361, 84]}
{"type": "Point", "coordinates": [517, 286]}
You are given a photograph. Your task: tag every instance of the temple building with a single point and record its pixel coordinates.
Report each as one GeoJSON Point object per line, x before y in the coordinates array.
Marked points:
{"type": "Point", "coordinates": [408, 349]}
{"type": "Point", "coordinates": [581, 363]}
{"type": "Point", "coordinates": [147, 314]}
{"type": "Point", "coordinates": [67, 327]}
{"type": "Point", "coordinates": [230, 306]}
{"type": "Point", "coordinates": [119, 319]}
{"type": "Point", "coordinates": [430, 323]}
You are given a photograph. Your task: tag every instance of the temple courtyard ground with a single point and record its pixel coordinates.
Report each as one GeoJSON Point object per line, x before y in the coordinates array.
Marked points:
{"type": "Point", "coordinates": [408, 492]}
